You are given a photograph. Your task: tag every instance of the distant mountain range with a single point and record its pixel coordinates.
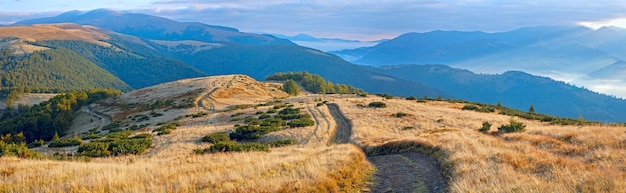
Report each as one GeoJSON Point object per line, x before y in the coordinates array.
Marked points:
{"type": "Point", "coordinates": [158, 28]}
{"type": "Point", "coordinates": [327, 44]}
{"type": "Point", "coordinates": [572, 54]}
{"type": "Point", "coordinates": [143, 50]}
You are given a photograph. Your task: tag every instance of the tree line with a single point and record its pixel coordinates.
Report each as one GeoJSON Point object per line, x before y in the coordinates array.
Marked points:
{"type": "Point", "coordinates": [43, 120]}
{"type": "Point", "coordinates": [315, 83]}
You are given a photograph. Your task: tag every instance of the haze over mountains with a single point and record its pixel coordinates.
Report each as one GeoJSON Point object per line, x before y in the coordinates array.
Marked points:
{"type": "Point", "coordinates": [578, 55]}
{"type": "Point", "coordinates": [143, 50]}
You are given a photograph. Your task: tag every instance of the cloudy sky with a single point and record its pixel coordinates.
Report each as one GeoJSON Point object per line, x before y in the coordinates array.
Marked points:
{"type": "Point", "coordinates": [363, 19]}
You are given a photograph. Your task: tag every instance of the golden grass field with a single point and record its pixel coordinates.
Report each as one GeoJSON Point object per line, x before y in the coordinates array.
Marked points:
{"type": "Point", "coordinates": [544, 158]}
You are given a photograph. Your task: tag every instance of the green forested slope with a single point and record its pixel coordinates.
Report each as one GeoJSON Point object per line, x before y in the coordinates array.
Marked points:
{"type": "Point", "coordinates": [137, 67]}
{"type": "Point", "coordinates": [54, 70]}
{"type": "Point", "coordinates": [262, 61]}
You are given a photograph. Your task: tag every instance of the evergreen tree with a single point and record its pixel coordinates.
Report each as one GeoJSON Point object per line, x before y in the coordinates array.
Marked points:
{"type": "Point", "coordinates": [531, 109]}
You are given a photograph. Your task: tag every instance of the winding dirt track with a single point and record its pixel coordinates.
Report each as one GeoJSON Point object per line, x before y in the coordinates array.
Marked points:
{"type": "Point", "coordinates": [105, 119]}
{"type": "Point", "coordinates": [401, 172]}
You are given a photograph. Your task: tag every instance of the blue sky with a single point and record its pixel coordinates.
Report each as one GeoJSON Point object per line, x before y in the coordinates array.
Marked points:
{"type": "Point", "coordinates": [363, 19]}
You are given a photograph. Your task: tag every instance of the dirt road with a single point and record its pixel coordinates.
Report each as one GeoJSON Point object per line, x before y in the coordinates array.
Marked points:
{"type": "Point", "coordinates": [396, 172]}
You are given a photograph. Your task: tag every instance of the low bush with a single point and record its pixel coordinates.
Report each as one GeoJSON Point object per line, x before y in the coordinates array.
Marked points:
{"type": "Point", "coordinates": [94, 149]}
{"type": "Point", "coordinates": [74, 141]}
{"type": "Point", "coordinates": [470, 107]}
{"type": "Point", "coordinates": [301, 122]}
{"type": "Point", "coordinates": [237, 114]}
{"type": "Point", "coordinates": [400, 114]}
{"type": "Point", "coordinates": [386, 96]}
{"type": "Point", "coordinates": [231, 146]}
{"type": "Point", "coordinates": [513, 126]}
{"type": "Point", "coordinates": [166, 129]}
{"type": "Point", "coordinates": [485, 128]}
{"type": "Point", "coordinates": [280, 143]}
{"type": "Point", "coordinates": [91, 136]}
{"type": "Point", "coordinates": [377, 105]}
{"type": "Point", "coordinates": [130, 146]}
{"type": "Point", "coordinates": [264, 116]}
{"type": "Point", "coordinates": [17, 149]}
{"type": "Point", "coordinates": [216, 137]}
{"type": "Point", "coordinates": [248, 132]}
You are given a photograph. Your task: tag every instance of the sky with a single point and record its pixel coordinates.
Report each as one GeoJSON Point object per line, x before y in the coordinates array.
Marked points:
{"type": "Point", "coordinates": [349, 19]}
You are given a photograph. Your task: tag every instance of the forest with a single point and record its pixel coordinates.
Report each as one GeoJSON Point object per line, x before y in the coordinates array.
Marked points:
{"type": "Point", "coordinates": [315, 83]}
{"type": "Point", "coordinates": [44, 120]}
{"type": "Point", "coordinates": [53, 71]}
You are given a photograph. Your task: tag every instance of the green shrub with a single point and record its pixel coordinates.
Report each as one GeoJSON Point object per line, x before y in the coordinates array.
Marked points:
{"type": "Point", "coordinates": [74, 141]}
{"type": "Point", "coordinates": [119, 135]}
{"type": "Point", "coordinates": [301, 122]}
{"type": "Point", "coordinates": [111, 126]}
{"type": "Point", "coordinates": [17, 149]}
{"type": "Point", "coordinates": [155, 114]}
{"type": "Point", "coordinates": [386, 96]}
{"type": "Point", "coordinates": [470, 107]}
{"type": "Point", "coordinates": [264, 116]}
{"type": "Point", "coordinates": [408, 128]}
{"type": "Point", "coordinates": [513, 126]}
{"type": "Point", "coordinates": [91, 136]}
{"type": "Point", "coordinates": [94, 149]}
{"type": "Point", "coordinates": [164, 132]}
{"type": "Point", "coordinates": [130, 146]}
{"type": "Point", "coordinates": [400, 114]}
{"type": "Point", "coordinates": [377, 105]}
{"type": "Point", "coordinates": [486, 127]}
{"type": "Point", "coordinates": [216, 137]}
{"type": "Point", "coordinates": [37, 143]}
{"type": "Point", "coordinates": [248, 132]}
{"type": "Point", "coordinates": [232, 146]}
{"type": "Point", "coordinates": [411, 98]}
{"type": "Point", "coordinates": [166, 129]}
{"type": "Point", "coordinates": [280, 143]}
{"type": "Point", "coordinates": [237, 114]}
{"type": "Point", "coordinates": [275, 122]}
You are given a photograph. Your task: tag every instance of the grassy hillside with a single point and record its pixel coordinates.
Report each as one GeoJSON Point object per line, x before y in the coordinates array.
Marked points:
{"type": "Point", "coordinates": [540, 158]}
{"type": "Point", "coordinates": [53, 71]}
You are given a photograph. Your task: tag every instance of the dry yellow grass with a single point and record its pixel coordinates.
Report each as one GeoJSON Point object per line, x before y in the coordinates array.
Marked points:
{"type": "Point", "coordinates": [544, 158]}
{"type": "Point", "coordinates": [171, 166]}
{"type": "Point", "coordinates": [56, 32]}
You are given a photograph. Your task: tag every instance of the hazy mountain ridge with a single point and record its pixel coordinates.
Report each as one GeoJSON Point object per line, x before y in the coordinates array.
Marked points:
{"type": "Point", "coordinates": [152, 27]}
{"type": "Point", "coordinates": [215, 58]}
{"type": "Point", "coordinates": [443, 46]}
{"type": "Point", "coordinates": [206, 57]}
{"type": "Point", "coordinates": [515, 89]}
{"type": "Point", "coordinates": [327, 44]}
{"type": "Point", "coordinates": [564, 53]}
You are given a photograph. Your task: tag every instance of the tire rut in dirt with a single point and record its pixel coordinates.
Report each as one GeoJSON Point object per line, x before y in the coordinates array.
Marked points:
{"type": "Point", "coordinates": [407, 172]}
{"type": "Point", "coordinates": [396, 172]}
{"type": "Point", "coordinates": [344, 127]}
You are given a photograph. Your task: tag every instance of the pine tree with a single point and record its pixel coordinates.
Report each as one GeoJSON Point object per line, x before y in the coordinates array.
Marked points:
{"type": "Point", "coordinates": [55, 137]}
{"type": "Point", "coordinates": [531, 109]}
